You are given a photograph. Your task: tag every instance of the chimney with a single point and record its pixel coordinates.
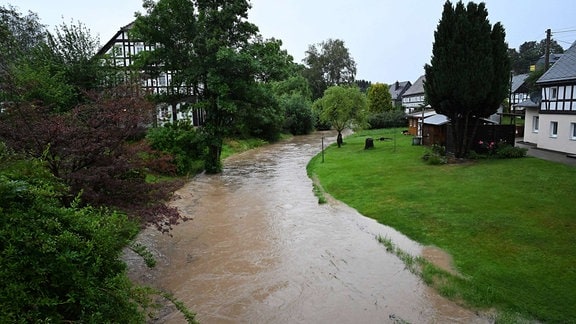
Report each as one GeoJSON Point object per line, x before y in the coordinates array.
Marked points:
{"type": "Point", "coordinates": [397, 85]}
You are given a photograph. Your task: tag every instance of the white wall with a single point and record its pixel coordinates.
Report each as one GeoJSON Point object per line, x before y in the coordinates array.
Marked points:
{"type": "Point", "coordinates": [564, 141]}
{"type": "Point", "coordinates": [529, 134]}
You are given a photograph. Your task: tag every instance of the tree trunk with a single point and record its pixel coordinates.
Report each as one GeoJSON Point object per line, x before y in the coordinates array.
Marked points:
{"type": "Point", "coordinates": [339, 139]}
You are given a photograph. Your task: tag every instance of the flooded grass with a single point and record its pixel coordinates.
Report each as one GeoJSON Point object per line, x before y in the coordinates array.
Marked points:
{"type": "Point", "coordinates": [509, 224]}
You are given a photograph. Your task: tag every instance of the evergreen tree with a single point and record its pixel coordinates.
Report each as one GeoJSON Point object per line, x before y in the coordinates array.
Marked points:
{"type": "Point", "coordinates": [467, 78]}
{"type": "Point", "coordinates": [379, 98]}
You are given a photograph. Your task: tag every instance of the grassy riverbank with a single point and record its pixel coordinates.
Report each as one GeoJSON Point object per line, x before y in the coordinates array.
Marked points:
{"type": "Point", "coordinates": [510, 225]}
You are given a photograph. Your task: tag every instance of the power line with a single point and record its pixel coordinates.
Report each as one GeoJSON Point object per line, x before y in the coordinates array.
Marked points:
{"type": "Point", "coordinates": [564, 31]}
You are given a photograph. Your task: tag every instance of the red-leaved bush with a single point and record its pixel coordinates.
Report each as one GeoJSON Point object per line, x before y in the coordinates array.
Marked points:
{"type": "Point", "coordinates": [88, 147]}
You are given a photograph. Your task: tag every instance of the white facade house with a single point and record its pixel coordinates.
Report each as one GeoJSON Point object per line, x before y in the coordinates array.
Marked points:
{"type": "Point", "coordinates": [413, 98]}
{"type": "Point", "coordinates": [120, 51]}
{"type": "Point", "coordinates": [552, 125]}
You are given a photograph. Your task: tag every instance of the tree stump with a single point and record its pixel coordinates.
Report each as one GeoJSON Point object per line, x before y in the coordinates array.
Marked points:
{"type": "Point", "coordinates": [369, 144]}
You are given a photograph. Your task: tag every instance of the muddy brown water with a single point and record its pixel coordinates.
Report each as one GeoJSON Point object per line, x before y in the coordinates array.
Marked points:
{"type": "Point", "coordinates": [260, 249]}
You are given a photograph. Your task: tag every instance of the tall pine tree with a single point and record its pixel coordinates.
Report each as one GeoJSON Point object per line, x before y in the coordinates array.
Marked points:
{"type": "Point", "coordinates": [467, 78]}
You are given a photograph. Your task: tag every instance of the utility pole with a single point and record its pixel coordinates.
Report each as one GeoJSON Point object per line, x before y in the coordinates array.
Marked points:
{"type": "Point", "coordinates": [547, 57]}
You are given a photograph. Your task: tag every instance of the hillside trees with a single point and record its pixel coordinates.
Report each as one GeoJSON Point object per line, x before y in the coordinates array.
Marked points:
{"type": "Point", "coordinates": [213, 50]}
{"type": "Point", "coordinates": [328, 63]}
{"type": "Point", "coordinates": [467, 45]}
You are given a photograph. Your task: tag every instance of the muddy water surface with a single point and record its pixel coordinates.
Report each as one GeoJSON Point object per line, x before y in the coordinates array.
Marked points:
{"type": "Point", "coordinates": [260, 249]}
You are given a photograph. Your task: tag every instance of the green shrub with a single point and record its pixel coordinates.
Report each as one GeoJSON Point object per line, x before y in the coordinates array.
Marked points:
{"type": "Point", "coordinates": [510, 152]}
{"type": "Point", "coordinates": [388, 119]}
{"type": "Point", "coordinates": [497, 151]}
{"type": "Point", "coordinates": [182, 141]}
{"type": "Point", "coordinates": [59, 264]}
{"type": "Point", "coordinates": [299, 119]}
{"type": "Point", "coordinates": [436, 155]}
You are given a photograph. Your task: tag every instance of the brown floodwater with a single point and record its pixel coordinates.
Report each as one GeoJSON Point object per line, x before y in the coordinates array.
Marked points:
{"type": "Point", "coordinates": [260, 249]}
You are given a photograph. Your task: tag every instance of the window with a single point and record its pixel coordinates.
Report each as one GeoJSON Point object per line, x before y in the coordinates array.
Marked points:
{"type": "Point", "coordinates": [162, 80]}
{"type": "Point", "coordinates": [554, 129]}
{"type": "Point", "coordinates": [573, 131]}
{"type": "Point", "coordinates": [553, 93]}
{"type": "Point", "coordinates": [535, 124]}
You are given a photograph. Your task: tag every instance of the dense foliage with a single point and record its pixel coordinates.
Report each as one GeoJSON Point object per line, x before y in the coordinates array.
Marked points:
{"type": "Point", "coordinates": [328, 63]}
{"type": "Point", "coordinates": [59, 264]}
{"type": "Point", "coordinates": [466, 45]}
{"type": "Point", "coordinates": [87, 148]}
{"type": "Point", "coordinates": [388, 119]}
{"type": "Point", "coordinates": [379, 98]}
{"type": "Point", "coordinates": [294, 96]}
{"type": "Point", "coordinates": [343, 107]}
{"type": "Point", "coordinates": [218, 58]}
{"type": "Point", "coordinates": [181, 140]}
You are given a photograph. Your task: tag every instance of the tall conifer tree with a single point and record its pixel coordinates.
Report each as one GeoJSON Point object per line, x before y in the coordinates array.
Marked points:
{"type": "Point", "coordinates": [467, 78]}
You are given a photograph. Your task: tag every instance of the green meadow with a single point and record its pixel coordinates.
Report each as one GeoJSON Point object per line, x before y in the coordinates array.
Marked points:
{"type": "Point", "coordinates": [510, 225]}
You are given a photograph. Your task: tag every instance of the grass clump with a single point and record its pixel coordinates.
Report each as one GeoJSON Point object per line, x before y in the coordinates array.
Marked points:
{"type": "Point", "coordinates": [509, 224]}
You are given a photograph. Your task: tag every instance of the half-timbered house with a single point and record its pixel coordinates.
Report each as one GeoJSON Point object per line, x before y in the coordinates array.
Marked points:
{"type": "Point", "coordinates": [552, 125]}
{"type": "Point", "coordinates": [120, 52]}
{"type": "Point", "coordinates": [414, 98]}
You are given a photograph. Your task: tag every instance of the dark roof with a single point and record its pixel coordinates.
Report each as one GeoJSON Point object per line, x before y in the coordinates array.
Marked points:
{"type": "Point", "coordinates": [518, 83]}
{"type": "Point", "coordinates": [417, 88]}
{"type": "Point", "coordinates": [528, 104]}
{"type": "Point", "coordinates": [563, 70]}
{"type": "Point", "coordinates": [553, 58]}
{"type": "Point", "coordinates": [397, 89]}
{"type": "Point", "coordinates": [112, 40]}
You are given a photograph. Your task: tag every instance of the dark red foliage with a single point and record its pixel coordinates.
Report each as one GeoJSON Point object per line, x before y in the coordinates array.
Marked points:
{"type": "Point", "coordinates": [88, 148]}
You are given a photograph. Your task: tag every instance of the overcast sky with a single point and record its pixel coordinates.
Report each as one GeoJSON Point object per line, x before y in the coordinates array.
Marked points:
{"type": "Point", "coordinates": [389, 40]}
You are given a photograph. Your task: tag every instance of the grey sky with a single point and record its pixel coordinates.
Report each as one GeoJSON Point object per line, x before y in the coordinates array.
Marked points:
{"type": "Point", "coordinates": [389, 40]}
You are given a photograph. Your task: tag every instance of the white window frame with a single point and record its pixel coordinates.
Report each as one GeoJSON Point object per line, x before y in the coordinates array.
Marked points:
{"type": "Point", "coordinates": [573, 131]}
{"type": "Point", "coordinates": [553, 129]}
{"type": "Point", "coordinates": [535, 124]}
{"type": "Point", "coordinates": [554, 93]}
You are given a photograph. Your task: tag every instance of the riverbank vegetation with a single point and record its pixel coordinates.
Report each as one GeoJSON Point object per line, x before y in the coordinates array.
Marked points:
{"type": "Point", "coordinates": [509, 224]}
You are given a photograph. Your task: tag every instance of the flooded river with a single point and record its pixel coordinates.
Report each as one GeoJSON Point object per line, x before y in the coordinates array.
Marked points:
{"type": "Point", "coordinates": [260, 249]}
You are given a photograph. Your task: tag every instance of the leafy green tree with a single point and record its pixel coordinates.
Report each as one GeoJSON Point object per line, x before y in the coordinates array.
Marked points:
{"type": "Point", "coordinates": [466, 45]}
{"type": "Point", "coordinates": [328, 63]}
{"type": "Point", "coordinates": [19, 35]}
{"type": "Point", "coordinates": [379, 98]}
{"type": "Point", "coordinates": [294, 96]}
{"type": "Point", "coordinates": [343, 107]}
{"type": "Point", "coordinates": [293, 85]}
{"type": "Point", "coordinates": [213, 50]}
{"type": "Point", "coordinates": [56, 71]}
{"type": "Point", "coordinates": [298, 110]}
{"type": "Point", "coordinates": [75, 50]}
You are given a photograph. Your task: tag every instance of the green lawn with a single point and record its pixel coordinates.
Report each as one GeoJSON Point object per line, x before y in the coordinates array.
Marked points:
{"type": "Point", "coordinates": [510, 225]}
